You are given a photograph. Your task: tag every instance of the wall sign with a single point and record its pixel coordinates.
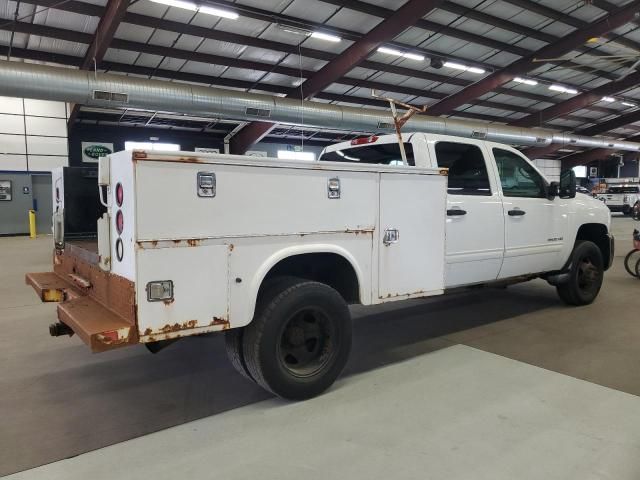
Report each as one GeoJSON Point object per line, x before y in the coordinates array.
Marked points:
{"type": "Point", "coordinates": [5, 190]}
{"type": "Point", "coordinates": [92, 151]}
{"type": "Point", "coordinates": [593, 172]}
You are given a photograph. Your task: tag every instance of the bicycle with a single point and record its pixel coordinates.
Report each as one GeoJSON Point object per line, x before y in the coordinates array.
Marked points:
{"type": "Point", "coordinates": [631, 265]}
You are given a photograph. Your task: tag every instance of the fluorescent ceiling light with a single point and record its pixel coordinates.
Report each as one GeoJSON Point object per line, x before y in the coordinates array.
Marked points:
{"type": "Point", "coordinates": [608, 99]}
{"type": "Point", "coordinates": [464, 68]}
{"type": "Point", "coordinates": [289, 155]}
{"type": "Point", "coordinates": [398, 53]}
{"type": "Point", "coordinates": [218, 12]}
{"type": "Point", "coordinates": [526, 81]}
{"type": "Point", "coordinates": [413, 56]}
{"type": "Point", "coordinates": [629, 104]}
{"type": "Point", "coordinates": [325, 36]}
{"type": "Point", "coordinates": [562, 89]}
{"type": "Point", "coordinates": [456, 66]}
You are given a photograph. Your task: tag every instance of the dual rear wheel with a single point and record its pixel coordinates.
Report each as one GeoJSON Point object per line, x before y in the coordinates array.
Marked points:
{"type": "Point", "coordinates": [299, 341]}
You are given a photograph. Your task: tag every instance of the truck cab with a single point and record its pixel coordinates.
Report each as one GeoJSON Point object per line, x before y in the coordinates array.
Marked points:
{"type": "Point", "coordinates": [504, 219]}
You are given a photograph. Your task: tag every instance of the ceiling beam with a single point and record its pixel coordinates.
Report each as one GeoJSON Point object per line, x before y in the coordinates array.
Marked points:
{"type": "Point", "coordinates": [109, 21]}
{"type": "Point", "coordinates": [561, 17]}
{"type": "Point", "coordinates": [578, 102]}
{"type": "Point", "coordinates": [477, 15]}
{"type": "Point", "coordinates": [521, 67]}
{"type": "Point", "coordinates": [351, 57]}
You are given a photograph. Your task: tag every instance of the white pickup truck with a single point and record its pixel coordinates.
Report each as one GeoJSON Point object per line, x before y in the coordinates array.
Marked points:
{"type": "Point", "coordinates": [273, 251]}
{"type": "Point", "coordinates": [621, 198]}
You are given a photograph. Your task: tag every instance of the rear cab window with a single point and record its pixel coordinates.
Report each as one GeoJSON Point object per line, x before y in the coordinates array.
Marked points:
{"type": "Point", "coordinates": [375, 154]}
{"type": "Point", "coordinates": [468, 173]}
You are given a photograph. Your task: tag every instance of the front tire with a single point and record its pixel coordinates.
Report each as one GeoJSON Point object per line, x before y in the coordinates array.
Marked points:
{"type": "Point", "coordinates": [586, 274]}
{"type": "Point", "coordinates": [299, 341]}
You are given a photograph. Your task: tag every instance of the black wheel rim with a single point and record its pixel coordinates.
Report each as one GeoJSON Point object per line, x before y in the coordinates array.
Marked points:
{"type": "Point", "coordinates": [588, 275]}
{"type": "Point", "coordinates": [307, 343]}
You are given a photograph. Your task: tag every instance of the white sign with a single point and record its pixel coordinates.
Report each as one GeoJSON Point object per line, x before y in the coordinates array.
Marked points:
{"type": "Point", "coordinates": [92, 151]}
{"type": "Point", "coordinates": [593, 172]}
{"type": "Point", "coordinates": [207, 150]}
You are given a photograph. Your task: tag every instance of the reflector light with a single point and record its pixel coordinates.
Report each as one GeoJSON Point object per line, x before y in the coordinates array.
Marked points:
{"type": "Point", "coordinates": [119, 250]}
{"type": "Point", "coordinates": [364, 140]}
{"type": "Point", "coordinates": [110, 336]}
{"type": "Point", "coordinates": [119, 222]}
{"type": "Point", "coordinates": [119, 194]}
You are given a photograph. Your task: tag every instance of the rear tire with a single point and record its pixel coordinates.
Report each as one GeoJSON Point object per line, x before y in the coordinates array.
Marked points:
{"type": "Point", "coordinates": [586, 274]}
{"type": "Point", "coordinates": [300, 339]}
{"type": "Point", "coordinates": [233, 344]}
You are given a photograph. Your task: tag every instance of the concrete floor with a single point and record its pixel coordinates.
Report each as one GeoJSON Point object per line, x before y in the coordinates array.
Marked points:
{"type": "Point", "coordinates": [458, 413]}
{"type": "Point", "coordinates": [59, 401]}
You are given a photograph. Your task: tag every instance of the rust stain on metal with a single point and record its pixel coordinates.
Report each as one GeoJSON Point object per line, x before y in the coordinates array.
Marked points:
{"type": "Point", "coordinates": [177, 241]}
{"type": "Point", "coordinates": [168, 301]}
{"type": "Point", "coordinates": [148, 331]}
{"type": "Point", "coordinates": [231, 247]}
{"type": "Point", "coordinates": [444, 172]}
{"type": "Point", "coordinates": [176, 327]}
{"type": "Point", "coordinates": [217, 321]}
{"type": "Point", "coordinates": [154, 243]}
{"type": "Point", "coordinates": [194, 242]}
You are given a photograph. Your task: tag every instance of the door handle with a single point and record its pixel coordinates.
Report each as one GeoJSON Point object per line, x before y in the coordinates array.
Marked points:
{"type": "Point", "coordinates": [516, 212]}
{"type": "Point", "coordinates": [456, 212]}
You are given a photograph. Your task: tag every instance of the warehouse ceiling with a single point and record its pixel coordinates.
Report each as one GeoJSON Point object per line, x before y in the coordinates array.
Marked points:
{"type": "Point", "coordinates": [567, 65]}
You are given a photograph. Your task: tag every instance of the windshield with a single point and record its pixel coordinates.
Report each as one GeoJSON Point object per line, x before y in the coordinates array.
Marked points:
{"type": "Point", "coordinates": [382, 154]}
{"type": "Point", "coordinates": [623, 189]}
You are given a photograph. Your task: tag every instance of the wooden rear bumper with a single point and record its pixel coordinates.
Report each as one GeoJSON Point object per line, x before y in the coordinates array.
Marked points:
{"type": "Point", "coordinates": [98, 306]}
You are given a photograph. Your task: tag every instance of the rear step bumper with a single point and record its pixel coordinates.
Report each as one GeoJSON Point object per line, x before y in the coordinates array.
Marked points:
{"type": "Point", "coordinates": [96, 325]}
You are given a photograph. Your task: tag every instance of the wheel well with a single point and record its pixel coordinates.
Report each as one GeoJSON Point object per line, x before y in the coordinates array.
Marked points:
{"type": "Point", "coordinates": [328, 268]}
{"type": "Point", "coordinates": [596, 233]}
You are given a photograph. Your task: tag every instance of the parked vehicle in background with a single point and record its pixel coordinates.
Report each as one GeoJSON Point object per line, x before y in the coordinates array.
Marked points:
{"type": "Point", "coordinates": [273, 251]}
{"type": "Point", "coordinates": [621, 198]}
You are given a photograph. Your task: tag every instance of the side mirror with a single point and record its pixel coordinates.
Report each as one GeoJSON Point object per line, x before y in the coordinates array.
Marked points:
{"type": "Point", "coordinates": [553, 190]}
{"type": "Point", "coordinates": [567, 184]}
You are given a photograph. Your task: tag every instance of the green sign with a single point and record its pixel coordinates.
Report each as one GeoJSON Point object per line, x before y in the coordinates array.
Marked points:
{"type": "Point", "coordinates": [97, 151]}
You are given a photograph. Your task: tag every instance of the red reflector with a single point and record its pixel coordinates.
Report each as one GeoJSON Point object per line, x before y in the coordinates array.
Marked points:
{"type": "Point", "coordinates": [119, 222]}
{"type": "Point", "coordinates": [364, 140]}
{"type": "Point", "coordinates": [119, 194]}
{"type": "Point", "coordinates": [111, 336]}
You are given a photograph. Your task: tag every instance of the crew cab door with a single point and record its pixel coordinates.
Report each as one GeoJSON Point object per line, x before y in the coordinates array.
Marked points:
{"type": "Point", "coordinates": [535, 227]}
{"type": "Point", "coordinates": [475, 220]}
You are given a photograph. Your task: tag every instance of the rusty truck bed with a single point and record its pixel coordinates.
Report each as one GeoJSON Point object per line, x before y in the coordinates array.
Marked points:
{"type": "Point", "coordinates": [83, 291]}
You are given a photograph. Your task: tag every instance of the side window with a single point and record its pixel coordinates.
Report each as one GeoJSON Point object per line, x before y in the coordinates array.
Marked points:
{"type": "Point", "coordinates": [518, 177]}
{"type": "Point", "coordinates": [467, 168]}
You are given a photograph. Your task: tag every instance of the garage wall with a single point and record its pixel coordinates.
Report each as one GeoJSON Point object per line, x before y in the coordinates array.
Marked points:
{"type": "Point", "coordinates": [33, 135]}
{"type": "Point", "coordinates": [188, 141]}
{"type": "Point", "coordinates": [550, 168]}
